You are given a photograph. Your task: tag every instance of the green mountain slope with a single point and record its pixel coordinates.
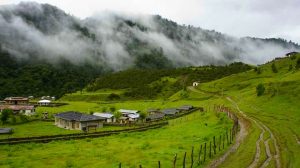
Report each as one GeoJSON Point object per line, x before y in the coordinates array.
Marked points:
{"type": "Point", "coordinates": [278, 108]}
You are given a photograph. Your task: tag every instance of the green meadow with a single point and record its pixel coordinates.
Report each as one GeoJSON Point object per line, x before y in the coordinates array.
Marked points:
{"type": "Point", "coordinates": [130, 149]}
{"type": "Point", "coordinates": [278, 108]}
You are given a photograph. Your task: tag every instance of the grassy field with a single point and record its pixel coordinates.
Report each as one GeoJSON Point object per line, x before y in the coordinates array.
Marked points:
{"type": "Point", "coordinates": [131, 149]}
{"type": "Point", "coordinates": [41, 128]}
{"type": "Point", "coordinates": [278, 108]}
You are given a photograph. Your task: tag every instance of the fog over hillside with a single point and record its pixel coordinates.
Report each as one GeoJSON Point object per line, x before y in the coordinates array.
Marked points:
{"type": "Point", "coordinates": [119, 41]}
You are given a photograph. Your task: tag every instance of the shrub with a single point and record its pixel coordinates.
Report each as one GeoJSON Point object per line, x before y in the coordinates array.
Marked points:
{"type": "Point", "coordinates": [260, 89]}
{"type": "Point", "coordinates": [113, 96]}
{"type": "Point", "coordinates": [5, 115]}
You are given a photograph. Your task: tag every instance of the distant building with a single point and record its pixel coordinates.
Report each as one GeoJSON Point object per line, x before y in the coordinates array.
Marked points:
{"type": "Point", "coordinates": [44, 102]}
{"type": "Point", "coordinates": [291, 53]}
{"type": "Point", "coordinates": [78, 121]}
{"type": "Point", "coordinates": [170, 111]}
{"type": "Point", "coordinates": [16, 100]}
{"type": "Point", "coordinates": [129, 115]}
{"type": "Point", "coordinates": [155, 117]}
{"type": "Point", "coordinates": [108, 117]}
{"type": "Point", "coordinates": [19, 105]}
{"type": "Point", "coordinates": [195, 84]}
{"type": "Point", "coordinates": [185, 108]}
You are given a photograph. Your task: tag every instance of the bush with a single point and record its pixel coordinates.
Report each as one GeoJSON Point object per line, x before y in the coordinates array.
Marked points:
{"type": "Point", "coordinates": [260, 89]}
{"type": "Point", "coordinates": [5, 115]}
{"type": "Point", "coordinates": [113, 96]}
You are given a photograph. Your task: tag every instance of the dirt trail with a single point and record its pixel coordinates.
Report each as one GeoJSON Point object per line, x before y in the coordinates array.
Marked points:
{"type": "Point", "coordinates": [243, 133]}
{"type": "Point", "coordinates": [263, 128]}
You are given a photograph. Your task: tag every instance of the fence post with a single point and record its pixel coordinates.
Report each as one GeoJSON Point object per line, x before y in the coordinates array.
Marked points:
{"type": "Point", "coordinates": [199, 156]}
{"type": "Point", "coordinates": [204, 152]}
{"type": "Point", "coordinates": [220, 141]}
{"type": "Point", "coordinates": [223, 141]}
{"type": "Point", "coordinates": [174, 162]}
{"type": "Point", "coordinates": [120, 165]}
{"type": "Point", "coordinates": [158, 164]}
{"type": "Point", "coordinates": [214, 145]}
{"type": "Point", "coordinates": [209, 149]}
{"type": "Point", "coordinates": [183, 165]}
{"type": "Point", "coordinates": [140, 166]}
{"type": "Point", "coordinates": [192, 157]}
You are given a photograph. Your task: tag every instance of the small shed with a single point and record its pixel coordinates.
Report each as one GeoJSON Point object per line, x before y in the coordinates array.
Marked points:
{"type": "Point", "coordinates": [78, 121]}
{"type": "Point", "coordinates": [6, 130]}
{"type": "Point", "coordinates": [108, 116]}
{"type": "Point", "coordinates": [170, 111]}
{"type": "Point", "coordinates": [44, 102]}
{"type": "Point", "coordinates": [185, 108]}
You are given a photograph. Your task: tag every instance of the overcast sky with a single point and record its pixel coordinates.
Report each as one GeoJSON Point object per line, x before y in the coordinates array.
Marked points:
{"type": "Point", "coordinates": [257, 18]}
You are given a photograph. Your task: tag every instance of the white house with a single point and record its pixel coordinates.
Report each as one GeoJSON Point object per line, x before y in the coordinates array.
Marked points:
{"type": "Point", "coordinates": [195, 84]}
{"type": "Point", "coordinates": [44, 102]}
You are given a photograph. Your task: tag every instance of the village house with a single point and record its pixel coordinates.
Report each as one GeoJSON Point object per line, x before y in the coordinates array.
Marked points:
{"type": "Point", "coordinates": [16, 100]}
{"type": "Point", "coordinates": [170, 111]}
{"type": "Point", "coordinates": [155, 117]}
{"type": "Point", "coordinates": [185, 108]}
{"type": "Point", "coordinates": [19, 105]}
{"type": "Point", "coordinates": [108, 117]}
{"type": "Point", "coordinates": [129, 115]}
{"type": "Point", "coordinates": [78, 121]}
{"type": "Point", "coordinates": [153, 111]}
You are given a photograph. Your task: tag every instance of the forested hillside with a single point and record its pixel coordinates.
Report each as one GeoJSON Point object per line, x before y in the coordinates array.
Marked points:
{"type": "Point", "coordinates": [45, 51]}
{"type": "Point", "coordinates": [37, 78]}
{"type": "Point", "coordinates": [150, 83]}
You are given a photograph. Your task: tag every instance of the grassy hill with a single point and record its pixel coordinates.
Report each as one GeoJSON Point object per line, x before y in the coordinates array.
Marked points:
{"type": "Point", "coordinates": [277, 108]}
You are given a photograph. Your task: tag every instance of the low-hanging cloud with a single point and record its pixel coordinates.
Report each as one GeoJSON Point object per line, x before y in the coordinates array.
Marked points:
{"type": "Point", "coordinates": [115, 40]}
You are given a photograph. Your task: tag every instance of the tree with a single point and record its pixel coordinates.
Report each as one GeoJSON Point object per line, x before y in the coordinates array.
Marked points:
{"type": "Point", "coordinates": [117, 115]}
{"type": "Point", "coordinates": [5, 115]}
{"type": "Point", "coordinates": [143, 115]}
{"type": "Point", "coordinates": [274, 68]}
{"type": "Point", "coordinates": [260, 89]}
{"type": "Point", "coordinates": [113, 96]}
{"type": "Point", "coordinates": [112, 109]}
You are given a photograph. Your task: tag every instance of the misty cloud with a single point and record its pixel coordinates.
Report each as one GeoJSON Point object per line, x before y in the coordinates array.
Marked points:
{"type": "Point", "coordinates": [116, 40]}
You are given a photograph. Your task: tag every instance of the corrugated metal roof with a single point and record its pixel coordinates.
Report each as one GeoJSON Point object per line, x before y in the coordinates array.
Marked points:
{"type": "Point", "coordinates": [128, 111]}
{"type": "Point", "coordinates": [104, 115]}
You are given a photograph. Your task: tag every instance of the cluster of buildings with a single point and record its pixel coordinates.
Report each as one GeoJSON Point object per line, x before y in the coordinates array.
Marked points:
{"type": "Point", "coordinates": [80, 121]}
{"type": "Point", "coordinates": [19, 105]}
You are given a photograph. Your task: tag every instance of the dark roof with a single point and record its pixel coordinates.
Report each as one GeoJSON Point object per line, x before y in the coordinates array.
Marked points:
{"type": "Point", "coordinates": [77, 116]}
{"type": "Point", "coordinates": [155, 116]}
{"type": "Point", "coordinates": [5, 130]}
{"type": "Point", "coordinates": [170, 111]}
